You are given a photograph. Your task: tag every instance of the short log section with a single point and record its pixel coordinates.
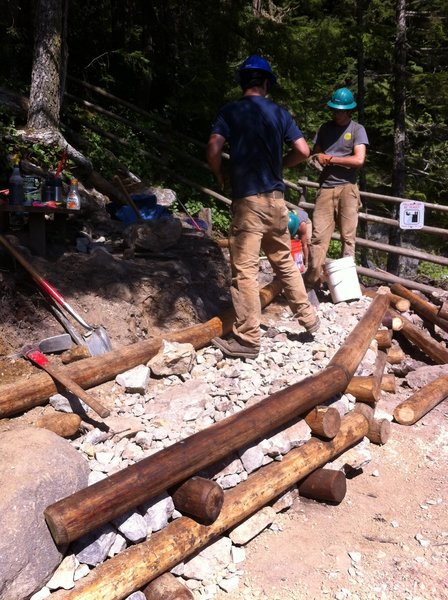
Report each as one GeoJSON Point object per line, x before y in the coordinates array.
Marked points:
{"type": "Point", "coordinates": [420, 403]}
{"type": "Point", "coordinates": [199, 498]}
{"type": "Point", "coordinates": [324, 485]}
{"type": "Point", "coordinates": [324, 421]}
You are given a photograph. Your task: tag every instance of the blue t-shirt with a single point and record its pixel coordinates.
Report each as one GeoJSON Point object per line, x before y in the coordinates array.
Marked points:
{"type": "Point", "coordinates": [339, 140]}
{"type": "Point", "coordinates": [256, 129]}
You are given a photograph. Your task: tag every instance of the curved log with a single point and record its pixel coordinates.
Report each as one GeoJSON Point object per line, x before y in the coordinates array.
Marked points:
{"type": "Point", "coordinates": [72, 517]}
{"type": "Point", "coordinates": [128, 571]}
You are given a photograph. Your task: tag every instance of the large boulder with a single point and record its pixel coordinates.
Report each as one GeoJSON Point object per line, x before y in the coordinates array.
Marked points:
{"type": "Point", "coordinates": [37, 468]}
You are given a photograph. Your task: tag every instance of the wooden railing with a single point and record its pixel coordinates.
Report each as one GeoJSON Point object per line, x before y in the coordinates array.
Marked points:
{"type": "Point", "coordinates": [171, 146]}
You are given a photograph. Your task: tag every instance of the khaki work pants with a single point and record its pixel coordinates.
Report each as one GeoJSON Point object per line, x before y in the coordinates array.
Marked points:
{"type": "Point", "coordinates": [334, 206]}
{"type": "Point", "coordinates": [261, 223]}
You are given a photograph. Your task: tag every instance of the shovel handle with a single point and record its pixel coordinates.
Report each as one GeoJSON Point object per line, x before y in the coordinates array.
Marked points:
{"type": "Point", "coordinates": [42, 361]}
{"type": "Point", "coordinates": [43, 283]}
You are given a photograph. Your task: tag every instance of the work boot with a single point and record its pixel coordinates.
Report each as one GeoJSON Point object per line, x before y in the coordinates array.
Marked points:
{"type": "Point", "coordinates": [235, 349]}
{"type": "Point", "coordinates": [314, 327]}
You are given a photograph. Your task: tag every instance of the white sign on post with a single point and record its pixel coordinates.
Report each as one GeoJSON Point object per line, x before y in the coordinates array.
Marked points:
{"type": "Point", "coordinates": [412, 215]}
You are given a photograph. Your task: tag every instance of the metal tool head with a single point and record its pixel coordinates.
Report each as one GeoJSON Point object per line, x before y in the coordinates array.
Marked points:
{"type": "Point", "coordinates": [97, 341]}
{"type": "Point", "coordinates": [56, 343]}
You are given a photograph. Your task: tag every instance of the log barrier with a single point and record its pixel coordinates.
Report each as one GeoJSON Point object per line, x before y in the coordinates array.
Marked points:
{"type": "Point", "coordinates": [87, 509]}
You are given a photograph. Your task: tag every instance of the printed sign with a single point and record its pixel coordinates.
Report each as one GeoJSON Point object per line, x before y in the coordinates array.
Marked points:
{"type": "Point", "coordinates": [412, 215]}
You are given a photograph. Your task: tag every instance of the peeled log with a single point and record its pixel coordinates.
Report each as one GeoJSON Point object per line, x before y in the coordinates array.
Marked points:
{"type": "Point", "coordinates": [200, 498]}
{"type": "Point", "coordinates": [424, 341]}
{"type": "Point", "coordinates": [379, 431]}
{"type": "Point", "coordinates": [364, 409]}
{"type": "Point", "coordinates": [129, 571]}
{"type": "Point", "coordinates": [89, 372]}
{"type": "Point", "coordinates": [420, 403]}
{"type": "Point", "coordinates": [425, 309]}
{"type": "Point", "coordinates": [105, 500]}
{"type": "Point", "coordinates": [443, 311]}
{"type": "Point", "coordinates": [63, 424]}
{"type": "Point", "coordinates": [400, 304]}
{"type": "Point", "coordinates": [324, 485]}
{"type": "Point", "coordinates": [395, 355]}
{"type": "Point", "coordinates": [394, 323]}
{"type": "Point", "coordinates": [362, 387]}
{"type": "Point", "coordinates": [324, 421]}
{"type": "Point", "coordinates": [167, 587]}
{"type": "Point", "coordinates": [384, 338]}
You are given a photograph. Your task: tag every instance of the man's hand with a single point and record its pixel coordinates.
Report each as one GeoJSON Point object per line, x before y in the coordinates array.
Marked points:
{"type": "Point", "coordinates": [324, 159]}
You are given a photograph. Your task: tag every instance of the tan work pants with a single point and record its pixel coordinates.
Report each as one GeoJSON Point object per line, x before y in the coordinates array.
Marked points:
{"type": "Point", "coordinates": [334, 206]}
{"type": "Point", "coordinates": [261, 223]}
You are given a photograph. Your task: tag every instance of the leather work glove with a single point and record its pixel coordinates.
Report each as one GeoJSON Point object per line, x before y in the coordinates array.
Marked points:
{"type": "Point", "coordinates": [313, 161]}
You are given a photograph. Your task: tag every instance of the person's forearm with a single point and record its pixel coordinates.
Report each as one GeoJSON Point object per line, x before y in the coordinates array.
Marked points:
{"type": "Point", "coordinates": [214, 159]}
{"type": "Point", "coordinates": [353, 162]}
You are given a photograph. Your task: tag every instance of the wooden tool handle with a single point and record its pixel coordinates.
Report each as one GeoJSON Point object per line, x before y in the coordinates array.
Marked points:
{"type": "Point", "coordinates": [76, 389]}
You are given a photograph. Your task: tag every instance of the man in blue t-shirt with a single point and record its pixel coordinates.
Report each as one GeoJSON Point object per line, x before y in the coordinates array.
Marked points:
{"type": "Point", "coordinates": [256, 129]}
{"type": "Point", "coordinates": [340, 146]}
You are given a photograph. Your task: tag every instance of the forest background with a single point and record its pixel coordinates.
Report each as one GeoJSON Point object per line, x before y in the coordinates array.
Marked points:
{"type": "Point", "coordinates": [176, 61]}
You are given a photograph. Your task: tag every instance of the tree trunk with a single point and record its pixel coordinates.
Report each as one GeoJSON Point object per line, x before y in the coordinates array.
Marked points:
{"type": "Point", "coordinates": [399, 167]}
{"type": "Point", "coordinates": [45, 102]}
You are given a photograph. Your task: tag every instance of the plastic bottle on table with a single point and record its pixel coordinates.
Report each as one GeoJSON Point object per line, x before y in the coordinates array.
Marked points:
{"type": "Point", "coordinates": [16, 191]}
{"type": "Point", "coordinates": [73, 198]}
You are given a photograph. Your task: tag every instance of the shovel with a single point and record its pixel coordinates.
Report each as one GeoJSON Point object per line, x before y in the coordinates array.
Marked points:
{"type": "Point", "coordinates": [96, 337]}
{"type": "Point", "coordinates": [37, 358]}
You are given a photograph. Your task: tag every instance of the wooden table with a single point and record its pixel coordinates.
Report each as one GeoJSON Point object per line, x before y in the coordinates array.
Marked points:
{"type": "Point", "coordinates": [36, 222]}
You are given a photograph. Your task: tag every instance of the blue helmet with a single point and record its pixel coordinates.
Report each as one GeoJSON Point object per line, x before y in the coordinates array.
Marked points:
{"type": "Point", "coordinates": [342, 99]}
{"type": "Point", "coordinates": [293, 223]}
{"type": "Point", "coordinates": [258, 63]}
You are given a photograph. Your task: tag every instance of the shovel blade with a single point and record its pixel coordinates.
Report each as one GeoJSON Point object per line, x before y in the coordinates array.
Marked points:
{"type": "Point", "coordinates": [98, 341]}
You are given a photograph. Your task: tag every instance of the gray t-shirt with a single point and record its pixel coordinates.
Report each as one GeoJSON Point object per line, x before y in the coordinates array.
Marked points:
{"type": "Point", "coordinates": [339, 140]}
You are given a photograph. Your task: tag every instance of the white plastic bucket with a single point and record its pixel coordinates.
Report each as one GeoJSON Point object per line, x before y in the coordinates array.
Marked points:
{"type": "Point", "coordinates": [342, 279]}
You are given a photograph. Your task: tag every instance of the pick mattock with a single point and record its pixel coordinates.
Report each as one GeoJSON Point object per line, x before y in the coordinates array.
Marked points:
{"type": "Point", "coordinates": [96, 337]}
{"type": "Point", "coordinates": [37, 358]}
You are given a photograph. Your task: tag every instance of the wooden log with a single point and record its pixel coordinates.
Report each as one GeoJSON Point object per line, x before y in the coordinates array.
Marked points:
{"type": "Point", "coordinates": [362, 387]}
{"type": "Point", "coordinates": [200, 498]}
{"type": "Point", "coordinates": [348, 356]}
{"type": "Point", "coordinates": [424, 342]}
{"type": "Point", "coordinates": [118, 577]}
{"type": "Point", "coordinates": [443, 311]}
{"type": "Point", "coordinates": [64, 424]}
{"type": "Point", "coordinates": [324, 485]}
{"type": "Point", "coordinates": [74, 354]}
{"type": "Point", "coordinates": [398, 302]}
{"type": "Point", "coordinates": [379, 431]}
{"type": "Point", "coordinates": [394, 323]}
{"type": "Point", "coordinates": [324, 421]}
{"type": "Point", "coordinates": [420, 403]}
{"type": "Point", "coordinates": [365, 410]}
{"type": "Point", "coordinates": [384, 338]}
{"type": "Point", "coordinates": [395, 355]}
{"type": "Point", "coordinates": [23, 395]}
{"type": "Point", "coordinates": [378, 372]}
{"type": "Point", "coordinates": [167, 587]}
{"type": "Point", "coordinates": [72, 517]}
{"type": "Point", "coordinates": [425, 309]}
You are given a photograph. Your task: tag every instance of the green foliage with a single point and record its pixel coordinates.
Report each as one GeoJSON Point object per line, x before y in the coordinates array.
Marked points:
{"type": "Point", "coordinates": [436, 273]}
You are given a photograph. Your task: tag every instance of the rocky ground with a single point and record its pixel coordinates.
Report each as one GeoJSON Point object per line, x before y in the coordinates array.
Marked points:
{"type": "Point", "coordinates": [388, 539]}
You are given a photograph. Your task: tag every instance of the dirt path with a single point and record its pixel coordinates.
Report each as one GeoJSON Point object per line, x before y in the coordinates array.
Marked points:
{"type": "Point", "coordinates": [388, 539]}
